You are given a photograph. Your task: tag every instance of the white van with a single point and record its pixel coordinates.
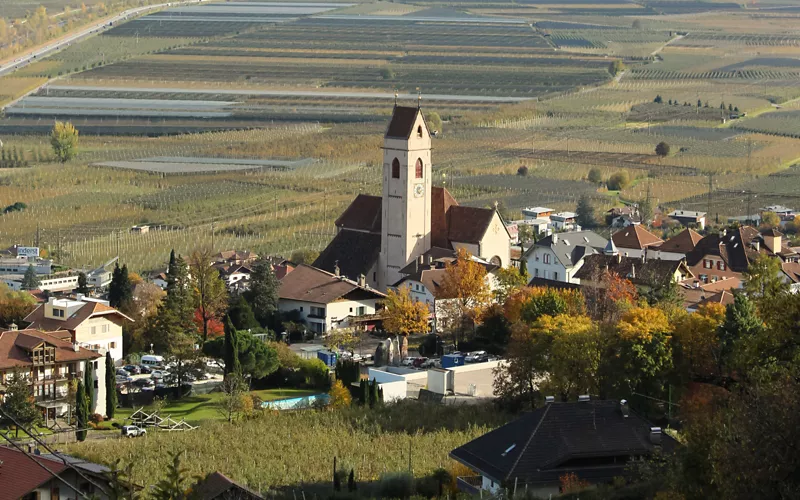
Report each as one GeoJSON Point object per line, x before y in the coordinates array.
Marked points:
{"type": "Point", "coordinates": [151, 360]}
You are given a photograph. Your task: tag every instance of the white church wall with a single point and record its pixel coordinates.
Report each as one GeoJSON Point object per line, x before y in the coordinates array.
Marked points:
{"type": "Point", "coordinates": [496, 242]}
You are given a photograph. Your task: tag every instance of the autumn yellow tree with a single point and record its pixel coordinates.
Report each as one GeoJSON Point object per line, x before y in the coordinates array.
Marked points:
{"type": "Point", "coordinates": [403, 315]}
{"type": "Point", "coordinates": [64, 139]}
{"type": "Point", "coordinates": [339, 396]}
{"type": "Point", "coordinates": [208, 290]}
{"type": "Point", "coordinates": [643, 350]}
{"type": "Point", "coordinates": [465, 292]}
{"type": "Point", "coordinates": [573, 361]}
{"type": "Point", "coordinates": [697, 340]}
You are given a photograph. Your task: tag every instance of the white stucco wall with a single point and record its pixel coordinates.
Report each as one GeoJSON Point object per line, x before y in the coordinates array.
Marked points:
{"type": "Point", "coordinates": [335, 312]}
{"type": "Point", "coordinates": [547, 270]}
{"type": "Point", "coordinates": [92, 332]}
{"type": "Point", "coordinates": [496, 242]}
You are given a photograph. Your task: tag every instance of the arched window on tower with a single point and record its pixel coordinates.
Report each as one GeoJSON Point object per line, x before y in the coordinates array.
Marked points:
{"type": "Point", "coordinates": [419, 131]}
{"type": "Point", "coordinates": [395, 169]}
{"type": "Point", "coordinates": [418, 169]}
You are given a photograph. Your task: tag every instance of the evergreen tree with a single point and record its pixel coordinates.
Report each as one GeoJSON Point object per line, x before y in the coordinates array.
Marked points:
{"type": "Point", "coordinates": [351, 481]}
{"type": "Point", "coordinates": [523, 270]}
{"type": "Point", "coordinates": [88, 382]}
{"type": "Point", "coordinates": [114, 291]}
{"type": "Point", "coordinates": [81, 412]}
{"type": "Point", "coordinates": [111, 384]}
{"type": "Point", "coordinates": [263, 293]}
{"type": "Point", "coordinates": [741, 321]}
{"type": "Point", "coordinates": [179, 297]}
{"type": "Point", "coordinates": [241, 314]}
{"type": "Point", "coordinates": [585, 213]}
{"type": "Point", "coordinates": [699, 103]}
{"type": "Point", "coordinates": [18, 402]}
{"type": "Point", "coordinates": [30, 281]}
{"type": "Point", "coordinates": [170, 269]}
{"type": "Point", "coordinates": [231, 349]}
{"type": "Point", "coordinates": [83, 287]}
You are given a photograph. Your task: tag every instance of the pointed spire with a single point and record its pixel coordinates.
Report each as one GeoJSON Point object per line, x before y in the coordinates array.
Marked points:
{"type": "Point", "coordinates": [611, 248]}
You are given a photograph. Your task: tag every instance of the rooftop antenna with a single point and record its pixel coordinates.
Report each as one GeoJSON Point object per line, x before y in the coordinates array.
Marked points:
{"type": "Point", "coordinates": [419, 98]}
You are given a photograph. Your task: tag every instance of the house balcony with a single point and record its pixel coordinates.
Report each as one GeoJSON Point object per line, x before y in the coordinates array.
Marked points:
{"type": "Point", "coordinates": [57, 377]}
{"type": "Point", "coordinates": [471, 485]}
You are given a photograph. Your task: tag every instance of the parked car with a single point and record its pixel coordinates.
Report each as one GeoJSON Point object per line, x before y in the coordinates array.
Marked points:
{"type": "Point", "coordinates": [123, 373]}
{"type": "Point", "coordinates": [132, 431]}
{"type": "Point", "coordinates": [133, 369]}
{"type": "Point", "coordinates": [158, 374]}
{"type": "Point", "coordinates": [145, 369]}
{"type": "Point", "coordinates": [409, 361]}
{"type": "Point", "coordinates": [144, 382]}
{"type": "Point", "coordinates": [418, 362]}
{"type": "Point", "coordinates": [474, 356]}
{"type": "Point", "coordinates": [429, 363]}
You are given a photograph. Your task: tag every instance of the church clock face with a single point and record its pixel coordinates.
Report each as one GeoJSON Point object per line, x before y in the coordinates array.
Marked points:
{"type": "Point", "coordinates": [419, 190]}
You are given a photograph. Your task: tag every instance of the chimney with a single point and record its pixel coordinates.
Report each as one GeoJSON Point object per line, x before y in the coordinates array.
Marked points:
{"type": "Point", "coordinates": [14, 327]}
{"type": "Point", "coordinates": [623, 408]}
{"type": "Point", "coordinates": [644, 256]}
{"type": "Point", "coordinates": [555, 237]}
{"type": "Point", "coordinates": [362, 281]}
{"type": "Point", "coordinates": [619, 258]}
{"type": "Point", "coordinates": [76, 347]}
{"type": "Point", "coordinates": [583, 398]}
{"type": "Point", "coordinates": [336, 269]}
{"type": "Point", "coordinates": [655, 435]}
{"type": "Point", "coordinates": [549, 399]}
{"type": "Point", "coordinates": [633, 270]}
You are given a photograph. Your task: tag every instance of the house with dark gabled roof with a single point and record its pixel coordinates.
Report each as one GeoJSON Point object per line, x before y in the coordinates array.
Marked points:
{"type": "Point", "coordinates": [642, 272]}
{"type": "Point", "coordinates": [326, 300]}
{"type": "Point", "coordinates": [377, 236]}
{"type": "Point", "coordinates": [677, 247]}
{"type": "Point", "coordinates": [595, 440]}
{"type": "Point", "coordinates": [559, 256]}
{"type": "Point", "coordinates": [217, 486]}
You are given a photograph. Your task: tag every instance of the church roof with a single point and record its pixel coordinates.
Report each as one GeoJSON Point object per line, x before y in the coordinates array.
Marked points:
{"type": "Point", "coordinates": [468, 224]}
{"type": "Point", "coordinates": [403, 119]}
{"type": "Point", "coordinates": [363, 214]}
{"type": "Point", "coordinates": [356, 252]}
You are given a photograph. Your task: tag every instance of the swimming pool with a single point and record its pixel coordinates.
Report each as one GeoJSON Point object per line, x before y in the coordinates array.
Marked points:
{"type": "Point", "coordinates": [297, 403]}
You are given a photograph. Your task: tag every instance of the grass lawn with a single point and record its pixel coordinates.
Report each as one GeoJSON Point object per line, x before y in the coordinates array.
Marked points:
{"type": "Point", "coordinates": [204, 407]}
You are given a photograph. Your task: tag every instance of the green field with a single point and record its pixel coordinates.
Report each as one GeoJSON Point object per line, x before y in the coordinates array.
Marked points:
{"type": "Point", "coordinates": [253, 126]}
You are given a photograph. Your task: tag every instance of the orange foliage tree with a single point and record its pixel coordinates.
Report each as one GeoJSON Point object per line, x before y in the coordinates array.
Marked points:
{"type": "Point", "coordinates": [697, 339]}
{"type": "Point", "coordinates": [403, 315]}
{"type": "Point", "coordinates": [465, 291]}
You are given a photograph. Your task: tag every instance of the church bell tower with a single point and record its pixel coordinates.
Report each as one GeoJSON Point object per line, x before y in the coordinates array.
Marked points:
{"type": "Point", "coordinates": [406, 203]}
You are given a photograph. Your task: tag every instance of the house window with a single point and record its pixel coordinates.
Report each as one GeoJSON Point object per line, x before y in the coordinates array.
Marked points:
{"type": "Point", "coordinates": [104, 329]}
{"type": "Point", "coordinates": [395, 169]}
{"type": "Point", "coordinates": [95, 365]}
{"type": "Point", "coordinates": [351, 309]}
{"type": "Point", "coordinates": [317, 311]}
{"type": "Point", "coordinates": [535, 272]}
{"type": "Point", "coordinates": [59, 313]}
{"type": "Point", "coordinates": [95, 384]}
{"type": "Point", "coordinates": [720, 265]}
{"type": "Point", "coordinates": [418, 169]}
{"type": "Point", "coordinates": [546, 258]}
{"type": "Point", "coordinates": [301, 308]}
{"type": "Point", "coordinates": [94, 330]}
{"type": "Point", "coordinates": [555, 276]}
{"type": "Point", "coordinates": [112, 345]}
{"type": "Point", "coordinates": [362, 310]}
{"type": "Point", "coordinates": [317, 327]}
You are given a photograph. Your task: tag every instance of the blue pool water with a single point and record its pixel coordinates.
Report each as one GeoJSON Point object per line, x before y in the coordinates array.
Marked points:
{"type": "Point", "coordinates": [296, 403]}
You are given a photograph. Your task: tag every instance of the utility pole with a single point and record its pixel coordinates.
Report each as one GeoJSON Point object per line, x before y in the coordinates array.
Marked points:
{"type": "Point", "coordinates": [58, 244]}
{"type": "Point", "coordinates": [710, 190]}
{"type": "Point", "coordinates": [37, 234]}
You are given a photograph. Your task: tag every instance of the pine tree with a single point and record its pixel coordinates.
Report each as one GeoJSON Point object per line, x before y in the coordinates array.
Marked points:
{"type": "Point", "coordinates": [111, 384]}
{"type": "Point", "coordinates": [88, 382]}
{"type": "Point", "coordinates": [231, 349]}
{"type": "Point", "coordinates": [81, 412]}
{"type": "Point", "coordinates": [263, 293]}
{"type": "Point", "coordinates": [30, 281]}
{"type": "Point", "coordinates": [18, 402]}
{"type": "Point", "coordinates": [523, 270]}
{"type": "Point", "coordinates": [171, 270]}
{"type": "Point", "coordinates": [83, 287]}
{"type": "Point", "coordinates": [241, 313]}
{"type": "Point", "coordinates": [585, 213]}
{"type": "Point", "coordinates": [114, 292]}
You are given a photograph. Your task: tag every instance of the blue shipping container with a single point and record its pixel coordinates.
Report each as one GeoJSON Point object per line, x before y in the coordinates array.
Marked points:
{"type": "Point", "coordinates": [451, 360]}
{"type": "Point", "coordinates": [327, 357]}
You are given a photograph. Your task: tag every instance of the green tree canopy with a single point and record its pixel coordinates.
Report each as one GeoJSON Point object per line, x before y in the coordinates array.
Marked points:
{"type": "Point", "coordinates": [30, 281]}
{"type": "Point", "coordinates": [585, 213]}
{"type": "Point", "coordinates": [64, 140]}
{"type": "Point", "coordinates": [263, 293]}
{"type": "Point", "coordinates": [18, 401]}
{"type": "Point", "coordinates": [111, 384]}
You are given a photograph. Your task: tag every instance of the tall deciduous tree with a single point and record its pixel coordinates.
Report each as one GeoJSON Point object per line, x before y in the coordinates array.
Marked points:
{"type": "Point", "coordinates": [402, 314]}
{"type": "Point", "coordinates": [64, 140]}
{"type": "Point", "coordinates": [263, 292]}
{"type": "Point", "coordinates": [111, 387]}
{"type": "Point", "coordinates": [697, 340]}
{"type": "Point", "coordinates": [14, 306]}
{"type": "Point", "coordinates": [509, 279]}
{"type": "Point", "coordinates": [465, 291]}
{"type": "Point", "coordinates": [209, 292]}
{"type": "Point", "coordinates": [516, 382]}
{"type": "Point", "coordinates": [763, 283]}
{"type": "Point", "coordinates": [18, 401]}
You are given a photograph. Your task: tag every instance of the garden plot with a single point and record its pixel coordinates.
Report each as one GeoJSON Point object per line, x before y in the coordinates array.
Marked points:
{"type": "Point", "coordinates": [193, 165]}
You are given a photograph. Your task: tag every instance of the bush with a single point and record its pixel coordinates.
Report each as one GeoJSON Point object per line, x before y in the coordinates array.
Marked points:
{"type": "Point", "coordinates": [662, 149]}
{"type": "Point", "coordinates": [619, 181]}
{"type": "Point", "coordinates": [96, 418]}
{"type": "Point", "coordinates": [315, 373]}
{"type": "Point", "coordinates": [523, 171]}
{"type": "Point", "coordinates": [595, 176]}
{"type": "Point", "coordinates": [396, 485]}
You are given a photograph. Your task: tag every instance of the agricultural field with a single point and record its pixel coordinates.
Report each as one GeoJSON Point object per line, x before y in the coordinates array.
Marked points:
{"type": "Point", "coordinates": [254, 124]}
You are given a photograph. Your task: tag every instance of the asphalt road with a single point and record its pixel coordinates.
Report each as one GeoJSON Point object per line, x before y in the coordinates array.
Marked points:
{"type": "Point", "coordinates": [32, 55]}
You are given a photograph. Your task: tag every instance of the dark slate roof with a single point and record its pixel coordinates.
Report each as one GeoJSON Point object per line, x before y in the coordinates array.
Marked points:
{"type": "Point", "coordinates": [468, 224]}
{"type": "Point", "coordinates": [355, 252]}
{"type": "Point", "coordinates": [572, 246]}
{"type": "Point", "coordinates": [218, 486]}
{"type": "Point", "coordinates": [546, 283]}
{"type": "Point", "coordinates": [402, 123]}
{"type": "Point", "coordinates": [538, 446]}
{"type": "Point", "coordinates": [734, 247]}
{"type": "Point", "coordinates": [363, 214]}
{"type": "Point", "coordinates": [630, 268]}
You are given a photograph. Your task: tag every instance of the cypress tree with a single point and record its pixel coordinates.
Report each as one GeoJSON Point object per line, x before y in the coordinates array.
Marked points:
{"type": "Point", "coordinates": [88, 382]}
{"type": "Point", "coordinates": [232, 364]}
{"type": "Point", "coordinates": [81, 412]}
{"type": "Point", "coordinates": [523, 269]}
{"type": "Point", "coordinates": [111, 387]}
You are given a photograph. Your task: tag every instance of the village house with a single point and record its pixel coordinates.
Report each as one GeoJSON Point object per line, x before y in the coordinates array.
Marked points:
{"type": "Point", "coordinates": [35, 476]}
{"type": "Point", "coordinates": [633, 241]}
{"type": "Point", "coordinates": [235, 257]}
{"type": "Point", "coordinates": [595, 440]}
{"type": "Point", "coordinates": [689, 218]}
{"type": "Point", "coordinates": [49, 361]}
{"type": "Point", "coordinates": [90, 323]}
{"type": "Point", "coordinates": [675, 248]}
{"type": "Point", "coordinates": [564, 221]}
{"type": "Point", "coordinates": [559, 256]}
{"type": "Point", "coordinates": [324, 300]}
{"type": "Point", "coordinates": [642, 272]}
{"type": "Point", "coordinates": [621, 217]}
{"type": "Point", "coordinates": [377, 236]}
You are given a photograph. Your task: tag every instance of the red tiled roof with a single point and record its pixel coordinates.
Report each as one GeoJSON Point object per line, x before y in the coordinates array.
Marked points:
{"type": "Point", "coordinates": [16, 344]}
{"type": "Point", "coordinates": [20, 474]}
{"type": "Point", "coordinates": [683, 242]}
{"type": "Point", "coordinates": [38, 320]}
{"type": "Point", "coordinates": [635, 237]}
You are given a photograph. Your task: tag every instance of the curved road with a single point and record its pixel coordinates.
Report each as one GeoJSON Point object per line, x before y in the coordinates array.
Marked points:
{"type": "Point", "coordinates": [99, 26]}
